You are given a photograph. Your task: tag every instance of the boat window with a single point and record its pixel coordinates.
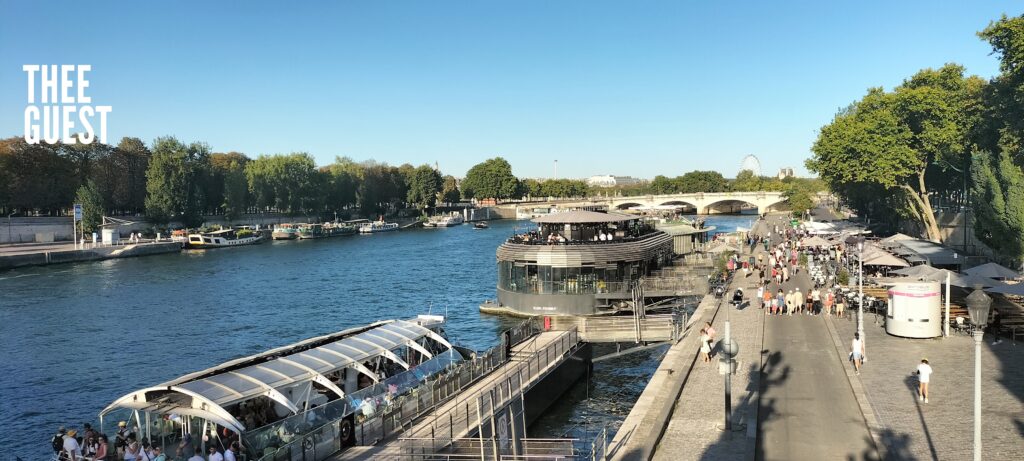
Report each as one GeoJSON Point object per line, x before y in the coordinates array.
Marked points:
{"type": "Point", "coordinates": [195, 239]}
{"type": "Point", "coordinates": [207, 240]}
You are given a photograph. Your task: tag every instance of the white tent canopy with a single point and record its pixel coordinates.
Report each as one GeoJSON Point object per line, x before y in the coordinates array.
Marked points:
{"type": "Point", "coordinates": [960, 280]}
{"type": "Point", "coordinates": [916, 271]}
{"type": "Point", "coordinates": [993, 270]}
{"type": "Point", "coordinates": [205, 394]}
{"type": "Point", "coordinates": [1008, 289]}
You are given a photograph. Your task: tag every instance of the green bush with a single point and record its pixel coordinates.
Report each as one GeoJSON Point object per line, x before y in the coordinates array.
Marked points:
{"type": "Point", "coordinates": [844, 277]}
{"type": "Point", "coordinates": [243, 233]}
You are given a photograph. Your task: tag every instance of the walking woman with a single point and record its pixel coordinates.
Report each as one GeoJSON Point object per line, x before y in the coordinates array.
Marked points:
{"type": "Point", "coordinates": [705, 346]}
{"type": "Point", "coordinates": [857, 354]}
{"type": "Point", "coordinates": [924, 374]}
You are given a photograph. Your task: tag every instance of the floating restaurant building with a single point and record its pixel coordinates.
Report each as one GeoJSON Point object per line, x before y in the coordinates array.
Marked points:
{"type": "Point", "coordinates": [577, 263]}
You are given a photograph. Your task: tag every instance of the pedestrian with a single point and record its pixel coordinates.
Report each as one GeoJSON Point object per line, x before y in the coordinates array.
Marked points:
{"type": "Point", "coordinates": [121, 439]}
{"type": "Point", "coordinates": [829, 298]}
{"type": "Point", "coordinates": [57, 442]}
{"type": "Point", "coordinates": [710, 331]}
{"type": "Point", "coordinates": [760, 292]}
{"type": "Point", "coordinates": [924, 374]}
{"type": "Point", "coordinates": [857, 352]}
{"type": "Point", "coordinates": [767, 297]}
{"type": "Point", "coordinates": [785, 273]}
{"type": "Point", "coordinates": [705, 351]}
{"type": "Point", "coordinates": [101, 449]}
{"type": "Point", "coordinates": [215, 455]}
{"type": "Point", "coordinates": [840, 307]}
{"type": "Point", "coordinates": [72, 450]}
{"type": "Point", "coordinates": [232, 452]}
{"type": "Point", "coordinates": [816, 301]}
{"type": "Point", "coordinates": [197, 455]}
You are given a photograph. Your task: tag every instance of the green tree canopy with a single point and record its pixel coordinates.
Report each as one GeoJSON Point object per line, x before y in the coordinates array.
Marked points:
{"type": "Point", "coordinates": [173, 181]}
{"type": "Point", "coordinates": [490, 179]}
{"type": "Point", "coordinates": [424, 185]}
{"type": "Point", "coordinates": [89, 197]}
{"type": "Point", "coordinates": [890, 139]}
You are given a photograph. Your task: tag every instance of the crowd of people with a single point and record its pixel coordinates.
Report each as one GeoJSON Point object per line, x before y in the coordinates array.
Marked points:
{"type": "Point", "coordinates": [91, 445]}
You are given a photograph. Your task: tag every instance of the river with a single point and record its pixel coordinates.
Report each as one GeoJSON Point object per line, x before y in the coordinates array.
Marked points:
{"type": "Point", "coordinates": [75, 337]}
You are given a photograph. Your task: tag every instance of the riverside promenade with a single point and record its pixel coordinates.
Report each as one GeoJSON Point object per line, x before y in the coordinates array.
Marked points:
{"type": "Point", "coordinates": [791, 398]}
{"type": "Point", "coordinates": [907, 429]}
{"type": "Point", "coordinates": [681, 411]}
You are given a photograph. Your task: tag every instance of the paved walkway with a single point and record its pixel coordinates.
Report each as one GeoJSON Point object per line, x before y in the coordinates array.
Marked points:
{"type": "Point", "coordinates": [943, 428]}
{"type": "Point", "coordinates": [807, 408]}
{"type": "Point", "coordinates": [696, 423]}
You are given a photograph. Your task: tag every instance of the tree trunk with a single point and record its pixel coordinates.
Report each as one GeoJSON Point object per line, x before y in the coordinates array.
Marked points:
{"type": "Point", "coordinates": [920, 197]}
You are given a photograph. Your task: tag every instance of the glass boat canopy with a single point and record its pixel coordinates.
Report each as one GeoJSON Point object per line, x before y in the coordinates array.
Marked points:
{"type": "Point", "coordinates": [206, 394]}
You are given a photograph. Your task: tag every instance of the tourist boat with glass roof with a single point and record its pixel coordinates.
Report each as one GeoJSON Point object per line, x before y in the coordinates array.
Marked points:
{"type": "Point", "coordinates": [578, 262]}
{"type": "Point", "coordinates": [300, 401]}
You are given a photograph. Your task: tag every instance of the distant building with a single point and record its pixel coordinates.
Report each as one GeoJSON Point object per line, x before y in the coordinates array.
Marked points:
{"type": "Point", "coordinates": [786, 173]}
{"type": "Point", "coordinates": [612, 181]}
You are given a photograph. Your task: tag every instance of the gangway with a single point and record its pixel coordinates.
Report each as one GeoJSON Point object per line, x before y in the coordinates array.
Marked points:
{"type": "Point", "coordinates": [491, 406]}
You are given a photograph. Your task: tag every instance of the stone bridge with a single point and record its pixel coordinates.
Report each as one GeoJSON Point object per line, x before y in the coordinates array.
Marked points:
{"type": "Point", "coordinates": [700, 203]}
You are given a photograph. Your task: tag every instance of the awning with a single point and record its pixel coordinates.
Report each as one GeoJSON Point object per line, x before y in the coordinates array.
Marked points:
{"type": "Point", "coordinates": [815, 241]}
{"type": "Point", "coordinates": [960, 280]}
{"type": "Point", "coordinates": [916, 271]}
{"type": "Point", "coordinates": [1008, 289]}
{"type": "Point", "coordinates": [207, 393]}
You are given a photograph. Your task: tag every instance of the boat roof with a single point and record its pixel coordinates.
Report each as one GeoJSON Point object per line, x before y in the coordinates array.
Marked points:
{"type": "Point", "coordinates": [583, 217]}
{"type": "Point", "coordinates": [206, 393]}
{"type": "Point", "coordinates": [222, 231]}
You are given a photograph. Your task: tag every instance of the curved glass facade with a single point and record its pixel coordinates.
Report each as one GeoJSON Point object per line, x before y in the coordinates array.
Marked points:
{"type": "Point", "coordinates": [519, 277]}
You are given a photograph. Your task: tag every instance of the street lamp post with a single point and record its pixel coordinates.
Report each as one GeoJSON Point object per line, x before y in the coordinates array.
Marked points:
{"type": "Point", "coordinates": [978, 304]}
{"type": "Point", "coordinates": [860, 289]}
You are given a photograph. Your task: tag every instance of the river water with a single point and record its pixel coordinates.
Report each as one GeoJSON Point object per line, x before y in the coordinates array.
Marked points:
{"type": "Point", "coordinates": [75, 337]}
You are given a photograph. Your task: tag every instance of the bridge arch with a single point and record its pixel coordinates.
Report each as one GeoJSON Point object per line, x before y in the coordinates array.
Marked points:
{"type": "Point", "coordinates": [729, 205]}
{"type": "Point", "coordinates": [687, 206]}
{"type": "Point", "coordinates": [627, 205]}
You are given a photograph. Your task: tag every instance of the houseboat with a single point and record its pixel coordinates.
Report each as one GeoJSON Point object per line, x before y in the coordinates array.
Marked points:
{"type": "Point", "coordinates": [450, 220]}
{"type": "Point", "coordinates": [303, 401]}
{"type": "Point", "coordinates": [316, 231]}
{"type": "Point", "coordinates": [377, 226]}
{"type": "Point", "coordinates": [285, 231]}
{"type": "Point", "coordinates": [224, 238]}
{"type": "Point", "coordinates": [577, 263]}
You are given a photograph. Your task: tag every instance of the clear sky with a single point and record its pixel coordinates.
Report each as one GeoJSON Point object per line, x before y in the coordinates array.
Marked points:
{"type": "Point", "coordinates": [630, 88]}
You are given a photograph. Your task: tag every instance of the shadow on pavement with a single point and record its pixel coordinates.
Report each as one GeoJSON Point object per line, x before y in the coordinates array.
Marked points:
{"type": "Point", "coordinates": [771, 375]}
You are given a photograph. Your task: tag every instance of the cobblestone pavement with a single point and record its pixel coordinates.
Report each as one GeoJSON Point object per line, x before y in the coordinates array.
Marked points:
{"type": "Point", "coordinates": [694, 430]}
{"type": "Point", "coordinates": [943, 428]}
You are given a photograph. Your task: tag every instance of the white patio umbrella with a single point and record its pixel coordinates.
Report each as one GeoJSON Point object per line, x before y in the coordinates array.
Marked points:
{"type": "Point", "coordinates": [993, 270]}
{"type": "Point", "coordinates": [961, 280]}
{"type": "Point", "coordinates": [916, 271]}
{"type": "Point", "coordinates": [1008, 289]}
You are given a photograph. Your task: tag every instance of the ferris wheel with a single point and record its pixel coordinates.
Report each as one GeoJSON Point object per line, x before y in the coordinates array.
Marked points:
{"type": "Point", "coordinates": [751, 163]}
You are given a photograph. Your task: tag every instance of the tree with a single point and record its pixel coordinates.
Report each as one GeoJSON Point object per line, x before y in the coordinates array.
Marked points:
{"type": "Point", "coordinates": [450, 190]}
{"type": "Point", "coordinates": [664, 185]}
{"type": "Point", "coordinates": [236, 190]}
{"type": "Point", "coordinates": [89, 197]}
{"type": "Point", "coordinates": [891, 139]}
{"type": "Point", "coordinates": [998, 192]}
{"type": "Point", "coordinates": [490, 179]}
{"type": "Point", "coordinates": [288, 183]}
{"type": "Point", "coordinates": [173, 186]}
{"type": "Point", "coordinates": [424, 183]}
{"type": "Point", "coordinates": [702, 181]}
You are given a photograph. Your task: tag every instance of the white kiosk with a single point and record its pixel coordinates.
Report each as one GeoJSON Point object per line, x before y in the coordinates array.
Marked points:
{"type": "Point", "coordinates": [915, 310]}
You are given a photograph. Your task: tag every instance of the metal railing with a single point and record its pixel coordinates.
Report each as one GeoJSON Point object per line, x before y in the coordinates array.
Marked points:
{"type": "Point", "coordinates": [465, 415]}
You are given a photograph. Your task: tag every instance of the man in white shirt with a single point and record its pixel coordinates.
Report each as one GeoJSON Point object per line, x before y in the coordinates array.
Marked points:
{"type": "Point", "coordinates": [215, 455]}
{"type": "Point", "coordinates": [198, 455]}
{"type": "Point", "coordinates": [924, 374]}
{"type": "Point", "coordinates": [230, 453]}
{"type": "Point", "coordinates": [71, 446]}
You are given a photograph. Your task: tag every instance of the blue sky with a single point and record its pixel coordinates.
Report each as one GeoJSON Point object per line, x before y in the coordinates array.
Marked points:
{"type": "Point", "coordinates": [631, 88]}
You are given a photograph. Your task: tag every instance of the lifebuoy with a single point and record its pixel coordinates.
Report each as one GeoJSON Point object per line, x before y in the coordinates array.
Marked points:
{"type": "Point", "coordinates": [345, 432]}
